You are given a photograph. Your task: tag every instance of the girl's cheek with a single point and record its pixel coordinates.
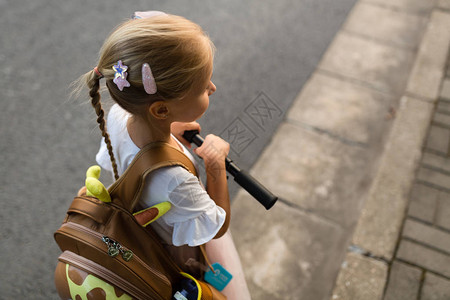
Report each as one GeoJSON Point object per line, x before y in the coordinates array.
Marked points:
{"type": "Point", "coordinates": [206, 103]}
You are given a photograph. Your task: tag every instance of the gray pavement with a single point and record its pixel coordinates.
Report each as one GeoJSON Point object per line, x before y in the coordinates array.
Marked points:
{"type": "Point", "coordinates": [266, 52]}
{"type": "Point", "coordinates": [344, 161]}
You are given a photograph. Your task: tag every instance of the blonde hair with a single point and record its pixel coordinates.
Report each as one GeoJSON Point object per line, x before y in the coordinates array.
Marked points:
{"type": "Point", "coordinates": [178, 51]}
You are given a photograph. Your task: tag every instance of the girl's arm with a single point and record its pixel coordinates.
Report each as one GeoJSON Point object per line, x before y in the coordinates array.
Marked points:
{"type": "Point", "coordinates": [214, 151]}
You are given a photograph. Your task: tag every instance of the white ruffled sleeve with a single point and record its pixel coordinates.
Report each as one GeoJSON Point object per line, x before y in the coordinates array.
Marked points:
{"type": "Point", "coordinates": [195, 217]}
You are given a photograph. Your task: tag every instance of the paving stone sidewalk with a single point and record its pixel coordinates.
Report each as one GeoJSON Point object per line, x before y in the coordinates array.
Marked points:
{"type": "Point", "coordinates": [421, 265]}
{"type": "Point", "coordinates": [344, 162]}
{"type": "Point", "coordinates": [401, 245]}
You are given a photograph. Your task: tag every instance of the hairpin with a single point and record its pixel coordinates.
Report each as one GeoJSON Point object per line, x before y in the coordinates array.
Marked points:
{"type": "Point", "coordinates": [120, 77]}
{"type": "Point", "coordinates": [147, 14]}
{"type": "Point", "coordinates": [148, 80]}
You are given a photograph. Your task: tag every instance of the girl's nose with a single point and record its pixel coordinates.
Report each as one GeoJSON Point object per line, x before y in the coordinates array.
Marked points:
{"type": "Point", "coordinates": [212, 88]}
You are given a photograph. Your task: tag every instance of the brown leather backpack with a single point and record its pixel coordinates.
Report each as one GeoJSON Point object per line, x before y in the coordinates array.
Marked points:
{"type": "Point", "coordinates": [107, 253]}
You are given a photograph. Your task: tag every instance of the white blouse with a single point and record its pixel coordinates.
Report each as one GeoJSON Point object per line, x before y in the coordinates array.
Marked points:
{"type": "Point", "coordinates": [194, 218]}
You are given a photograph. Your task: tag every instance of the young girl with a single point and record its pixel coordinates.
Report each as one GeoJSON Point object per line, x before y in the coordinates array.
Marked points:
{"type": "Point", "coordinates": [158, 69]}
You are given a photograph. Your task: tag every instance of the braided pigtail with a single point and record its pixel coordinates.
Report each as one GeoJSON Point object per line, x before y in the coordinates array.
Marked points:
{"type": "Point", "coordinates": [94, 85]}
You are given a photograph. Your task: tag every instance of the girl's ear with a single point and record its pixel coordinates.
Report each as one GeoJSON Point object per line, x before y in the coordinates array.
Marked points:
{"type": "Point", "coordinates": [159, 110]}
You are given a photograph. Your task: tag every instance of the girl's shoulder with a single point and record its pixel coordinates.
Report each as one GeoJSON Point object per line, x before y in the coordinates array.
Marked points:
{"type": "Point", "coordinates": [169, 178]}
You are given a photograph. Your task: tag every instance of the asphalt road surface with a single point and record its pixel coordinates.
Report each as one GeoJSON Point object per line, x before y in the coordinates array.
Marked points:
{"type": "Point", "coordinates": [266, 52]}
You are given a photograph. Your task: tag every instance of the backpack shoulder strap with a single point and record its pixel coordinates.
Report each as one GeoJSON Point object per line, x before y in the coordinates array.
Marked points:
{"type": "Point", "coordinates": [127, 190]}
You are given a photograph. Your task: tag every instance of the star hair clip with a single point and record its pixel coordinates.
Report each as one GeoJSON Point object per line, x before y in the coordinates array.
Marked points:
{"type": "Point", "coordinates": [120, 77]}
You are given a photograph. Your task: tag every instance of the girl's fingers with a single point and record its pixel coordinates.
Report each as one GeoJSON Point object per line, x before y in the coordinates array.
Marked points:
{"type": "Point", "coordinates": [213, 149]}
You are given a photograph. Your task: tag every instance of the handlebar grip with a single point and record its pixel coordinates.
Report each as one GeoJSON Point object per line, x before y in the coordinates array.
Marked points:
{"type": "Point", "coordinates": [256, 189]}
{"type": "Point", "coordinates": [193, 136]}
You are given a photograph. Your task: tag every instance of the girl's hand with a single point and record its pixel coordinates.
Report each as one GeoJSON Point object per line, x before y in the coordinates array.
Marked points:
{"type": "Point", "coordinates": [214, 150]}
{"type": "Point", "coordinates": [178, 128]}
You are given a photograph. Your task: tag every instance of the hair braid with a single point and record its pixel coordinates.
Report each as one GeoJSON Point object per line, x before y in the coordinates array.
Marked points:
{"type": "Point", "coordinates": [95, 101]}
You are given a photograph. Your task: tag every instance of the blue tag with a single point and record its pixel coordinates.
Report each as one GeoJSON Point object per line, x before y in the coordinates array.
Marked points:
{"type": "Point", "coordinates": [220, 278]}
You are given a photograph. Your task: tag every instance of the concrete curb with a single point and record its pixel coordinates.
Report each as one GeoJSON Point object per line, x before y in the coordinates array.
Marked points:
{"type": "Point", "coordinates": [365, 269]}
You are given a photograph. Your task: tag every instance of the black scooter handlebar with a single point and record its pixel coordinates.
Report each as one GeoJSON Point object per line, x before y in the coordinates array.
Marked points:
{"type": "Point", "coordinates": [242, 177]}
